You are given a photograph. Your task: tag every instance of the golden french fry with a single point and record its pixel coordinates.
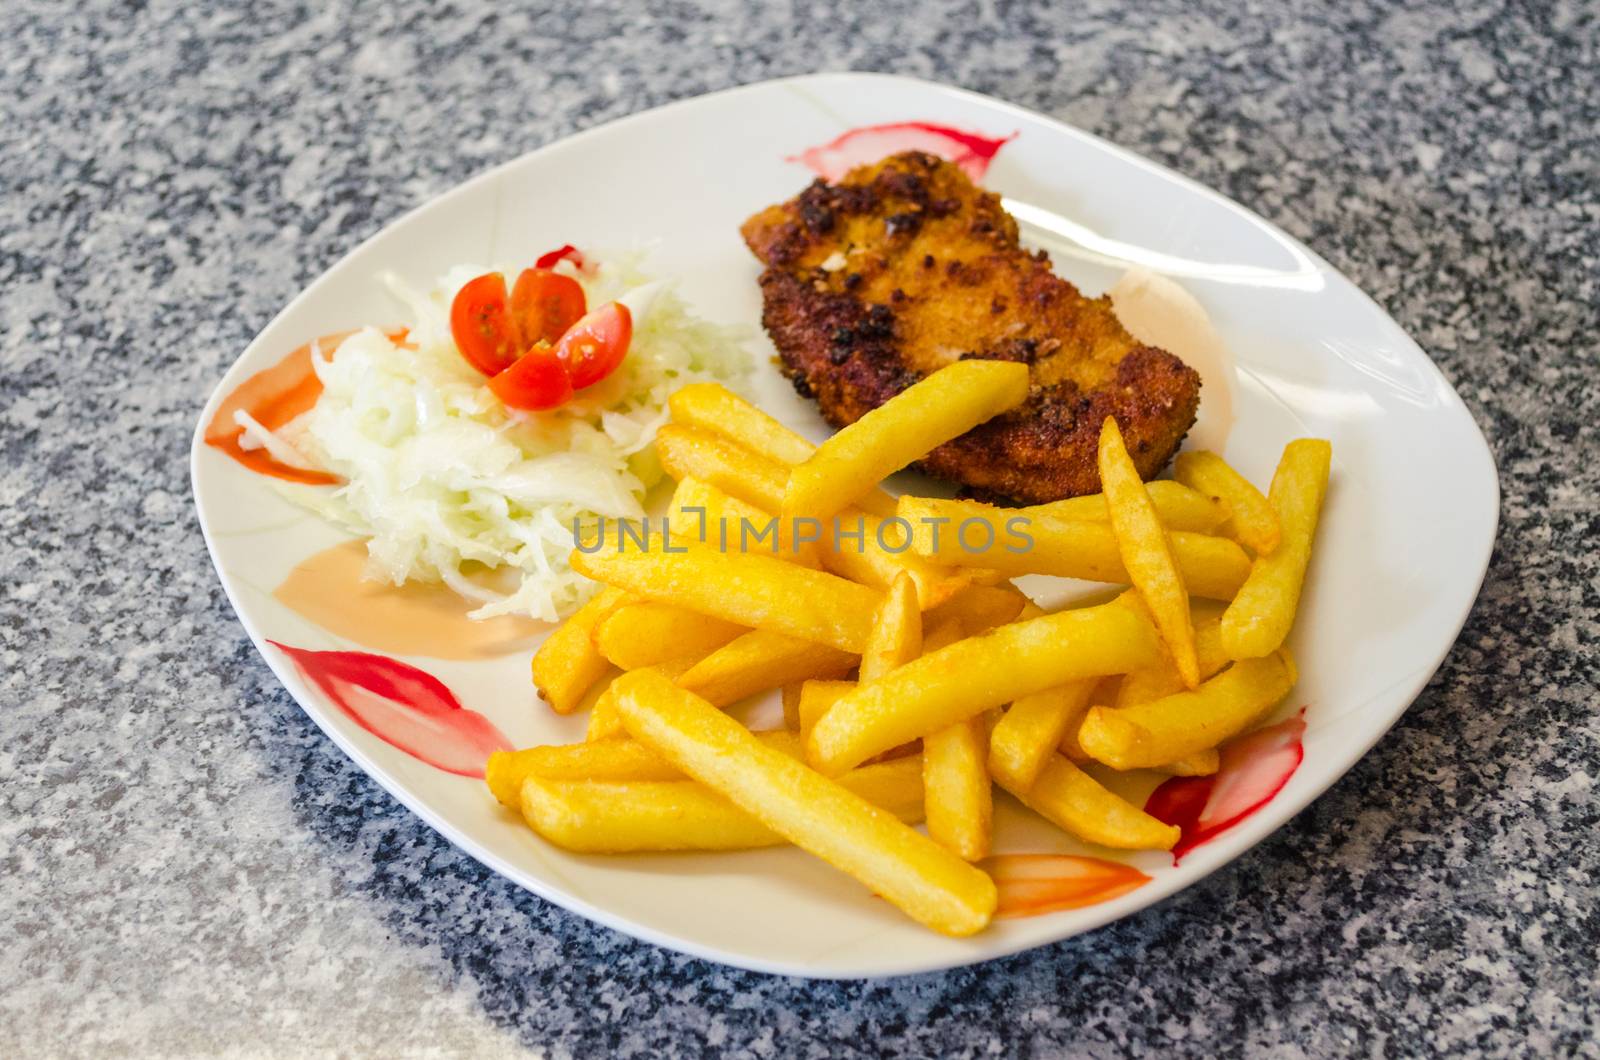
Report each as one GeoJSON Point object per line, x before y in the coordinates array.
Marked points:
{"type": "Point", "coordinates": [1162, 679]}
{"type": "Point", "coordinates": [1031, 730]}
{"type": "Point", "coordinates": [896, 634]}
{"type": "Point", "coordinates": [1213, 567]}
{"type": "Point", "coordinates": [634, 816]}
{"type": "Point", "coordinates": [968, 677]}
{"type": "Point", "coordinates": [861, 553]}
{"type": "Point", "coordinates": [1179, 507]}
{"type": "Point", "coordinates": [703, 514]}
{"type": "Point", "coordinates": [942, 406]}
{"type": "Point", "coordinates": [568, 663]}
{"type": "Point", "coordinates": [815, 699]}
{"type": "Point", "coordinates": [1072, 800]}
{"type": "Point", "coordinates": [621, 817]}
{"type": "Point", "coordinates": [1146, 552]}
{"type": "Point", "coordinates": [956, 795]}
{"type": "Point", "coordinates": [959, 804]}
{"type": "Point", "coordinates": [714, 408]}
{"type": "Point", "coordinates": [1263, 611]}
{"type": "Point", "coordinates": [605, 722]}
{"type": "Point", "coordinates": [751, 590]}
{"type": "Point", "coordinates": [689, 453]}
{"type": "Point", "coordinates": [760, 661]}
{"type": "Point", "coordinates": [1254, 522]}
{"type": "Point", "coordinates": [753, 480]}
{"type": "Point", "coordinates": [1105, 691]}
{"type": "Point", "coordinates": [943, 632]}
{"type": "Point", "coordinates": [615, 758]}
{"type": "Point", "coordinates": [817, 814]}
{"type": "Point", "coordinates": [1200, 764]}
{"type": "Point", "coordinates": [647, 633]}
{"type": "Point", "coordinates": [979, 608]}
{"type": "Point", "coordinates": [1149, 735]}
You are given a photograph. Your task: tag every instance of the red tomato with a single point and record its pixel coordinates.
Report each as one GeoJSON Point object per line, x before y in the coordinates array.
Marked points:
{"type": "Point", "coordinates": [544, 305]}
{"type": "Point", "coordinates": [594, 346]}
{"type": "Point", "coordinates": [482, 326]}
{"type": "Point", "coordinates": [537, 381]}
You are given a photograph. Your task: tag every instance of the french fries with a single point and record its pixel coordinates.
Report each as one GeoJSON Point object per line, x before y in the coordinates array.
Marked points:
{"type": "Point", "coordinates": [1179, 506]}
{"type": "Point", "coordinates": [817, 814]}
{"type": "Point", "coordinates": [703, 514]}
{"type": "Point", "coordinates": [1212, 567]}
{"type": "Point", "coordinates": [1149, 735]}
{"type": "Point", "coordinates": [689, 453]}
{"type": "Point", "coordinates": [956, 795]}
{"type": "Point", "coordinates": [611, 817]}
{"type": "Point", "coordinates": [1031, 729]}
{"type": "Point", "coordinates": [1071, 799]}
{"type": "Point", "coordinates": [754, 486]}
{"type": "Point", "coordinates": [760, 661]}
{"type": "Point", "coordinates": [903, 429]}
{"type": "Point", "coordinates": [1161, 680]}
{"type": "Point", "coordinates": [1260, 616]}
{"type": "Point", "coordinates": [647, 633]}
{"type": "Point", "coordinates": [635, 816]}
{"type": "Point", "coordinates": [751, 590]}
{"type": "Point", "coordinates": [940, 641]}
{"type": "Point", "coordinates": [896, 635]}
{"type": "Point", "coordinates": [979, 608]}
{"type": "Point", "coordinates": [568, 664]}
{"type": "Point", "coordinates": [605, 722]}
{"type": "Point", "coordinates": [614, 759]}
{"type": "Point", "coordinates": [816, 697]}
{"type": "Point", "coordinates": [713, 408]}
{"type": "Point", "coordinates": [958, 801]}
{"type": "Point", "coordinates": [964, 679]}
{"type": "Point", "coordinates": [871, 563]}
{"type": "Point", "coordinates": [1146, 551]}
{"type": "Point", "coordinates": [1254, 522]}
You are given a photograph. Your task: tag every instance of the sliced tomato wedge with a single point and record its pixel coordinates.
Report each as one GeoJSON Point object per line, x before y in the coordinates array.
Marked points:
{"type": "Point", "coordinates": [538, 380]}
{"type": "Point", "coordinates": [544, 305]}
{"type": "Point", "coordinates": [594, 346]}
{"type": "Point", "coordinates": [481, 324]}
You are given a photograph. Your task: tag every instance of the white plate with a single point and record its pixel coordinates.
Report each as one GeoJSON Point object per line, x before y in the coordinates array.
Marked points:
{"type": "Point", "coordinates": [1403, 546]}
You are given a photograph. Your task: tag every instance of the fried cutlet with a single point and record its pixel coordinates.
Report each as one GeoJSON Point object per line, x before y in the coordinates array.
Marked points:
{"type": "Point", "coordinates": [905, 266]}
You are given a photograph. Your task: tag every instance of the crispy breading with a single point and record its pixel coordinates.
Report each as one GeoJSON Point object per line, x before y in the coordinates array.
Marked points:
{"type": "Point", "coordinates": [905, 266]}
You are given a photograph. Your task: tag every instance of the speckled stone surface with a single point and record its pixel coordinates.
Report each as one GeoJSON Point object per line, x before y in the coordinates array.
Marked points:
{"type": "Point", "coordinates": [189, 867]}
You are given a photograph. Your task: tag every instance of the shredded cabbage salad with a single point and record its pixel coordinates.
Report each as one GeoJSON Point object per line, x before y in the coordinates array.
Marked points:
{"type": "Point", "coordinates": [441, 475]}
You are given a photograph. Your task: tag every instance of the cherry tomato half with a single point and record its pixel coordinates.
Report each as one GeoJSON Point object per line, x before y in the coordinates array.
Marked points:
{"type": "Point", "coordinates": [594, 346]}
{"type": "Point", "coordinates": [481, 324]}
{"type": "Point", "coordinates": [538, 380]}
{"type": "Point", "coordinates": [544, 305]}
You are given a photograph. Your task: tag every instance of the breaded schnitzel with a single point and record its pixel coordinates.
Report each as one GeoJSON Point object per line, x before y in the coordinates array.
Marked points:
{"type": "Point", "coordinates": [905, 266]}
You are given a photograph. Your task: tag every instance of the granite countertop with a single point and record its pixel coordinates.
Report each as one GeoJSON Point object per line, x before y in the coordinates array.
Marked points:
{"type": "Point", "coordinates": [191, 868]}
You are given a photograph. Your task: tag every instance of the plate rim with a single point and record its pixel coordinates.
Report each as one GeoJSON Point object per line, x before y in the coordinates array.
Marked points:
{"type": "Point", "coordinates": [1240, 840]}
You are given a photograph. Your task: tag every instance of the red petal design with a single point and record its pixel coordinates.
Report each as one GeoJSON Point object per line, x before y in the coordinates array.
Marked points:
{"type": "Point", "coordinates": [567, 251]}
{"type": "Point", "coordinates": [1254, 768]}
{"type": "Point", "coordinates": [402, 706]}
{"type": "Point", "coordinates": [1033, 884]}
{"type": "Point", "coordinates": [971, 151]}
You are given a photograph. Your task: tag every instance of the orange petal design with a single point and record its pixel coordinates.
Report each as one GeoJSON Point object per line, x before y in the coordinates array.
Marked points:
{"type": "Point", "coordinates": [1033, 884]}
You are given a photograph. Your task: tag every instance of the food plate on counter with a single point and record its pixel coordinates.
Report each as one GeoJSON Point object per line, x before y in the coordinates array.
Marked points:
{"type": "Point", "coordinates": [392, 475]}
